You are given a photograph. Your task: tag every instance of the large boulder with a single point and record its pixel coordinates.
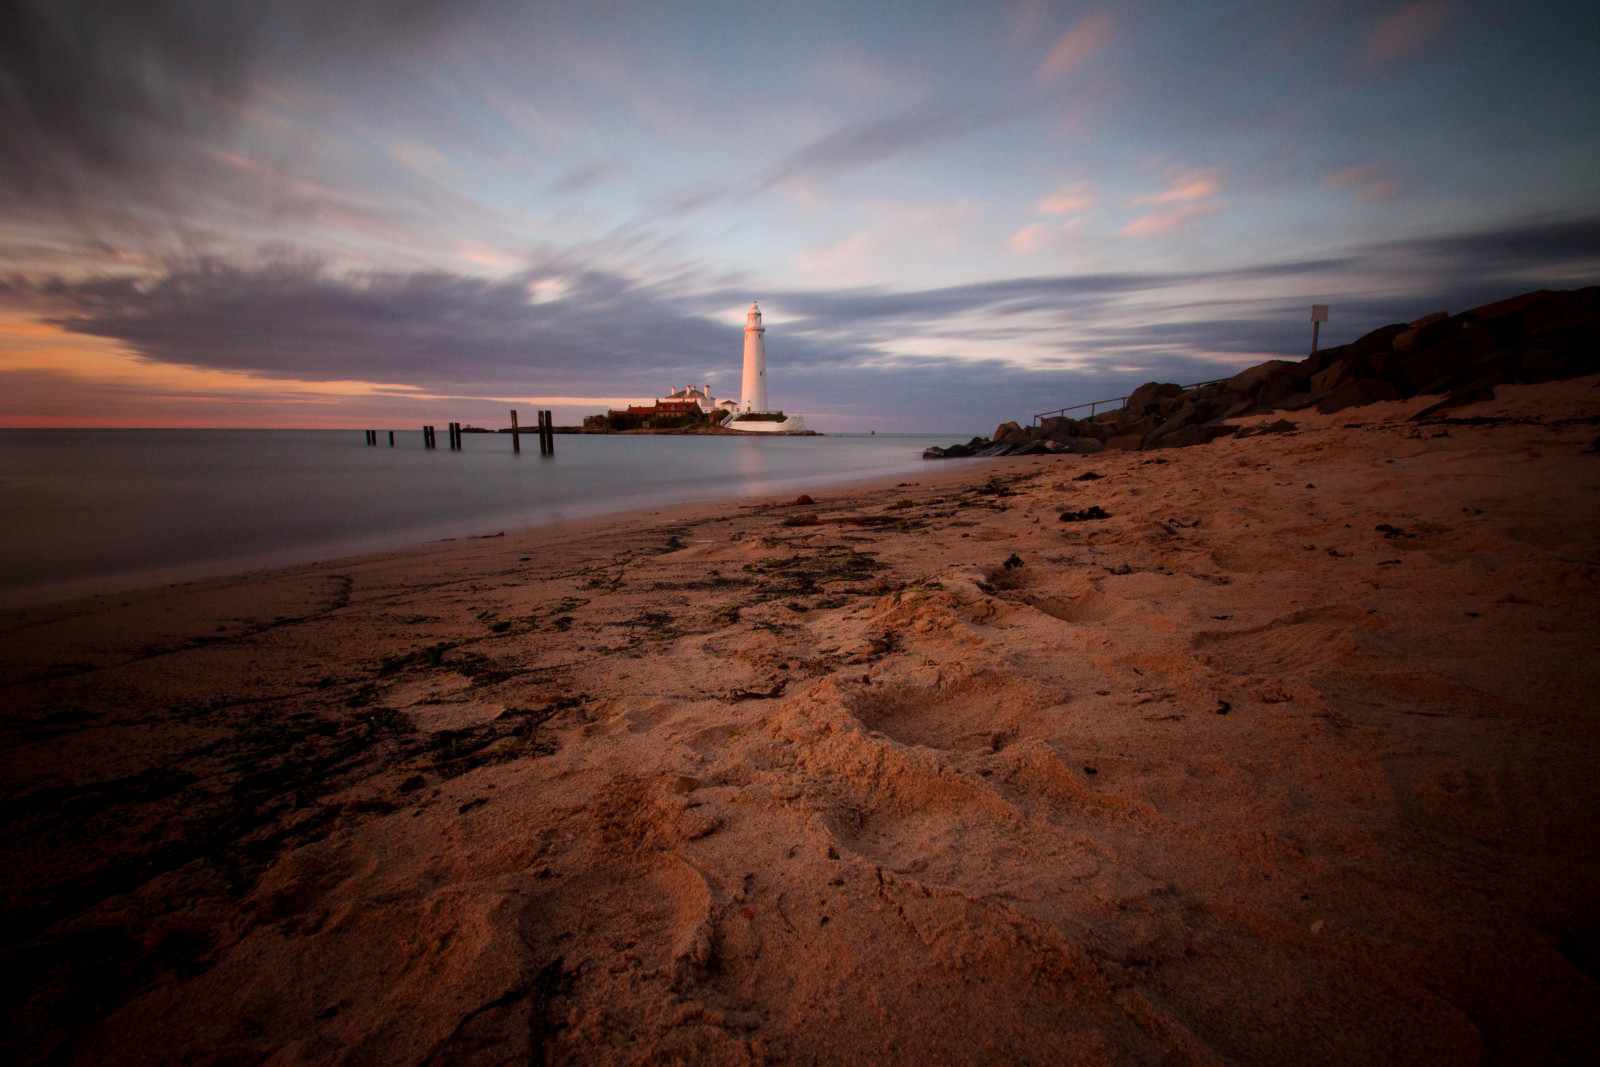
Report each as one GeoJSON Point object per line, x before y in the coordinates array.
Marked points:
{"type": "Point", "coordinates": [1357, 393]}
{"type": "Point", "coordinates": [1144, 398]}
{"type": "Point", "coordinates": [1085, 446]}
{"type": "Point", "coordinates": [1007, 430]}
{"type": "Point", "coordinates": [1424, 331]}
{"type": "Point", "coordinates": [1193, 434]}
{"type": "Point", "coordinates": [1330, 378]}
{"type": "Point", "coordinates": [1562, 312]}
{"type": "Point", "coordinates": [1249, 382]}
{"type": "Point", "coordinates": [1058, 428]}
{"type": "Point", "coordinates": [1129, 442]}
{"type": "Point", "coordinates": [1501, 309]}
{"type": "Point", "coordinates": [1412, 372]}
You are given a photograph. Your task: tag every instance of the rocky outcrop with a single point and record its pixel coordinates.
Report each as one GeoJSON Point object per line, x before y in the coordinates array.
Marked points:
{"type": "Point", "coordinates": [1536, 337]}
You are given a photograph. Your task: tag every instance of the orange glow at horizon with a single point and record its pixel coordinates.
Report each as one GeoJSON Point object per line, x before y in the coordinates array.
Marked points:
{"type": "Point", "coordinates": [53, 378]}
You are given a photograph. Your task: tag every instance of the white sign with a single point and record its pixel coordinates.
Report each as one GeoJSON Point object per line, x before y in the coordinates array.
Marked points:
{"type": "Point", "coordinates": [1319, 312]}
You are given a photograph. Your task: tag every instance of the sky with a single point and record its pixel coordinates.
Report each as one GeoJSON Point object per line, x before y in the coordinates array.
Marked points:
{"type": "Point", "coordinates": [380, 213]}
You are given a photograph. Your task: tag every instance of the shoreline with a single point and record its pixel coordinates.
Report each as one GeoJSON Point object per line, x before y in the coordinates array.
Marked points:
{"type": "Point", "coordinates": [268, 561]}
{"type": "Point", "coordinates": [1240, 752]}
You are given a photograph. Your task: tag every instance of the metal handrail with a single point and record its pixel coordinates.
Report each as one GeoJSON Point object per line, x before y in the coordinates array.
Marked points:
{"type": "Point", "coordinates": [1091, 405]}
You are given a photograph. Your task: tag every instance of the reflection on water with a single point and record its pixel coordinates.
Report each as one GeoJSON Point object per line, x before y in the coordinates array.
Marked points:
{"type": "Point", "coordinates": [88, 509]}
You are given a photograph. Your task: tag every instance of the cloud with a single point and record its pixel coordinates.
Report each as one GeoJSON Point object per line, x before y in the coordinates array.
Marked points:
{"type": "Point", "coordinates": [1162, 221]}
{"type": "Point", "coordinates": [1043, 236]}
{"type": "Point", "coordinates": [862, 144]}
{"type": "Point", "coordinates": [1067, 200]}
{"type": "Point", "coordinates": [1403, 32]}
{"type": "Point", "coordinates": [102, 103]}
{"type": "Point", "coordinates": [1083, 41]}
{"type": "Point", "coordinates": [1187, 186]}
{"type": "Point", "coordinates": [1366, 181]}
{"type": "Point", "coordinates": [1007, 346]}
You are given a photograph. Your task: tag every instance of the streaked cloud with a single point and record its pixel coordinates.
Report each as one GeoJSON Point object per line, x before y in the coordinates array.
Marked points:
{"type": "Point", "coordinates": [1083, 40]}
{"type": "Point", "coordinates": [1185, 187]}
{"type": "Point", "coordinates": [1404, 32]}
{"type": "Point", "coordinates": [1067, 200]}
{"type": "Point", "coordinates": [1366, 181]}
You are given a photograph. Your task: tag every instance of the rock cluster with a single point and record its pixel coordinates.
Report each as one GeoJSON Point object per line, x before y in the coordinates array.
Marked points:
{"type": "Point", "coordinates": [1537, 337]}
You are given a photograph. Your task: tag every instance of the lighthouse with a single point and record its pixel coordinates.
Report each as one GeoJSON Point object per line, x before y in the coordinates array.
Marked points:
{"type": "Point", "coordinates": [754, 394]}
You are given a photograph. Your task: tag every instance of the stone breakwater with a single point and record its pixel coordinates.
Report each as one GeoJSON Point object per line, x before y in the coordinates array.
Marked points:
{"type": "Point", "coordinates": [1540, 336]}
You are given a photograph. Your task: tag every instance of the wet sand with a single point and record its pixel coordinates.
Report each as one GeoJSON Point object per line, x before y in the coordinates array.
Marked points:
{"type": "Point", "coordinates": [1290, 758]}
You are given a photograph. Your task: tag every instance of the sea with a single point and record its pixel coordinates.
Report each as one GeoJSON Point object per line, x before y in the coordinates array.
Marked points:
{"type": "Point", "coordinates": [91, 511]}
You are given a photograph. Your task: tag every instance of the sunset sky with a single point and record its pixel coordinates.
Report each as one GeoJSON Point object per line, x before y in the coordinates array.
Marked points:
{"type": "Point", "coordinates": [389, 212]}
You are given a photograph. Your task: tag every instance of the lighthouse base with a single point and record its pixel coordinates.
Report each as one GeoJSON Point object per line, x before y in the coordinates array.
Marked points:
{"type": "Point", "coordinates": [766, 422]}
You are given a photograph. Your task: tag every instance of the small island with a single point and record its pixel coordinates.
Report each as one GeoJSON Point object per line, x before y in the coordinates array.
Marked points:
{"type": "Point", "coordinates": [694, 410]}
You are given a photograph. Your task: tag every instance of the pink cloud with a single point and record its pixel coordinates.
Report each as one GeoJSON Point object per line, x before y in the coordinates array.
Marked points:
{"type": "Point", "coordinates": [1043, 236]}
{"type": "Point", "coordinates": [1067, 200]}
{"type": "Point", "coordinates": [1078, 45]}
{"type": "Point", "coordinates": [1366, 181]}
{"type": "Point", "coordinates": [1161, 221]}
{"type": "Point", "coordinates": [1188, 186]}
{"type": "Point", "coordinates": [1404, 31]}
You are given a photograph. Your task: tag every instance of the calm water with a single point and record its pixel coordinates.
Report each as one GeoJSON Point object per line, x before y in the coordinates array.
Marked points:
{"type": "Point", "coordinates": [93, 510]}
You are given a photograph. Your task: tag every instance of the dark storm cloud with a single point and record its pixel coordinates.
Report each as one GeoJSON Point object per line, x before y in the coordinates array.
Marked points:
{"type": "Point", "coordinates": [110, 97]}
{"type": "Point", "coordinates": [1542, 244]}
{"type": "Point", "coordinates": [440, 332]}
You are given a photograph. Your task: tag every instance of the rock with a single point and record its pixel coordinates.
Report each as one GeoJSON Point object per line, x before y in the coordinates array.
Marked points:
{"type": "Point", "coordinates": [1354, 394]}
{"type": "Point", "coordinates": [1094, 511]}
{"type": "Point", "coordinates": [1412, 371]}
{"type": "Point", "coordinates": [1085, 446]}
{"type": "Point", "coordinates": [1170, 406]}
{"type": "Point", "coordinates": [1183, 437]}
{"type": "Point", "coordinates": [1456, 398]}
{"type": "Point", "coordinates": [1298, 401]}
{"type": "Point", "coordinates": [1424, 332]}
{"type": "Point", "coordinates": [1007, 429]}
{"type": "Point", "coordinates": [1501, 309]}
{"type": "Point", "coordinates": [1030, 448]}
{"type": "Point", "coordinates": [1379, 340]}
{"type": "Point", "coordinates": [1059, 428]}
{"type": "Point", "coordinates": [1127, 442]}
{"type": "Point", "coordinates": [1248, 382]}
{"type": "Point", "coordinates": [1189, 416]}
{"type": "Point", "coordinates": [1332, 377]}
{"type": "Point", "coordinates": [1143, 398]}
{"type": "Point", "coordinates": [1277, 388]}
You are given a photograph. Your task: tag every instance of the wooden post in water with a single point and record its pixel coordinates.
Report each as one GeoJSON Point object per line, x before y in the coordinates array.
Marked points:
{"type": "Point", "coordinates": [427, 437]}
{"type": "Point", "coordinates": [391, 438]}
{"type": "Point", "coordinates": [516, 442]}
{"type": "Point", "coordinates": [549, 434]}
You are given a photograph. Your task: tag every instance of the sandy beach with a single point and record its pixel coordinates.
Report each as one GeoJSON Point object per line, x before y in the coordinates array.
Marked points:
{"type": "Point", "coordinates": [1279, 749]}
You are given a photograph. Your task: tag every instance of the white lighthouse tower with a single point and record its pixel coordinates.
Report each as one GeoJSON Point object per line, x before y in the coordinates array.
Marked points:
{"type": "Point", "coordinates": [753, 415]}
{"type": "Point", "coordinates": [754, 394]}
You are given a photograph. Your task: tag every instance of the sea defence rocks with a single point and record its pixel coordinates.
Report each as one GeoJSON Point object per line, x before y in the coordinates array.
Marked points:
{"type": "Point", "coordinates": [1536, 337]}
